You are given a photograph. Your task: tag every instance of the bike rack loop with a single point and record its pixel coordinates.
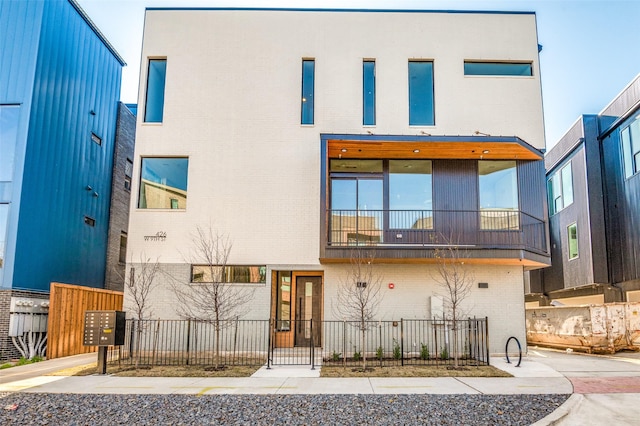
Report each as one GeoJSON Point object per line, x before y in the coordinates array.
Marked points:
{"type": "Point", "coordinates": [506, 350]}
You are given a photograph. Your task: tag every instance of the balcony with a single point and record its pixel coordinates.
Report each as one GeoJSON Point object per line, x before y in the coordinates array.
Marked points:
{"type": "Point", "coordinates": [504, 234]}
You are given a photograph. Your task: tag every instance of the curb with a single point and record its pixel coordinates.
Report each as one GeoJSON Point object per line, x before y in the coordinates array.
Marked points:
{"type": "Point", "coordinates": [563, 411]}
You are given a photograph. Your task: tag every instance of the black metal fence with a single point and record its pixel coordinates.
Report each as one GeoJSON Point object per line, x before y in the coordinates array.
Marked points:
{"type": "Point", "coordinates": [313, 343]}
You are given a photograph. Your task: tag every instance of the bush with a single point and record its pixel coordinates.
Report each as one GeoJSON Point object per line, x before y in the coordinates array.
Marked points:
{"type": "Point", "coordinates": [397, 353]}
{"type": "Point", "coordinates": [379, 353]}
{"type": "Point", "coordinates": [335, 356]}
{"type": "Point", "coordinates": [357, 356]}
{"type": "Point", "coordinates": [424, 351]}
{"type": "Point", "coordinates": [444, 355]}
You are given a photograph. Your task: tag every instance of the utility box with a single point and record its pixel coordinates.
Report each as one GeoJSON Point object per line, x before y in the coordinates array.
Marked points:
{"type": "Point", "coordinates": [104, 328]}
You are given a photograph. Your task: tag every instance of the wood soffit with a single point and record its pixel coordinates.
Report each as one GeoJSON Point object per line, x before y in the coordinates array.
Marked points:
{"type": "Point", "coordinates": [432, 149]}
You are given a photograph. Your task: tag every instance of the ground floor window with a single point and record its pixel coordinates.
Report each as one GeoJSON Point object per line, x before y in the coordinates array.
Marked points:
{"type": "Point", "coordinates": [233, 274]}
{"type": "Point", "coordinates": [283, 301]}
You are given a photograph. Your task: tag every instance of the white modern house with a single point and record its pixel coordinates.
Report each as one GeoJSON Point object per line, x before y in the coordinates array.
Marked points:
{"type": "Point", "coordinates": [304, 135]}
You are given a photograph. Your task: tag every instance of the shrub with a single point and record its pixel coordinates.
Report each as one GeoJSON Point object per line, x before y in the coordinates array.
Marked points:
{"type": "Point", "coordinates": [379, 353]}
{"type": "Point", "coordinates": [357, 356]}
{"type": "Point", "coordinates": [424, 351]}
{"type": "Point", "coordinates": [444, 354]}
{"type": "Point", "coordinates": [397, 353]}
{"type": "Point", "coordinates": [335, 356]}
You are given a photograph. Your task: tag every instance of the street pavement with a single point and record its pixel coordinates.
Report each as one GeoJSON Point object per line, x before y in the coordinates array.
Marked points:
{"type": "Point", "coordinates": [605, 389]}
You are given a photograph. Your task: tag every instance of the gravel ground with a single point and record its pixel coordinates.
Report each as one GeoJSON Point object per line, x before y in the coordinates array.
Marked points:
{"type": "Point", "coordinates": [83, 409]}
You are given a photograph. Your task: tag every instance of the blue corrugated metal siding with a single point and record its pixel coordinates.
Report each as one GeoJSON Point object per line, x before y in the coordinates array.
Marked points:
{"type": "Point", "coordinates": [75, 74]}
{"type": "Point", "coordinates": [19, 38]}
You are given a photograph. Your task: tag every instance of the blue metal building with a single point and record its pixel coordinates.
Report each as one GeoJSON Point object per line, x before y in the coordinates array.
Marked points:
{"type": "Point", "coordinates": [59, 90]}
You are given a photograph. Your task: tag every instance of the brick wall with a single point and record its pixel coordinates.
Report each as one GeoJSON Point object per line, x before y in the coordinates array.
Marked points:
{"type": "Point", "coordinates": [120, 197]}
{"type": "Point", "coordinates": [7, 349]}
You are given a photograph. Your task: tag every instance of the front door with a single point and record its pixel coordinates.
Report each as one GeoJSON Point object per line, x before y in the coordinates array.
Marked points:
{"type": "Point", "coordinates": [308, 309]}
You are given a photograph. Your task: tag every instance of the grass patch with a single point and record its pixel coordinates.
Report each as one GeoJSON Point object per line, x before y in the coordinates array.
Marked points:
{"type": "Point", "coordinates": [21, 361]}
{"type": "Point", "coordinates": [160, 371]}
{"type": "Point", "coordinates": [413, 371]}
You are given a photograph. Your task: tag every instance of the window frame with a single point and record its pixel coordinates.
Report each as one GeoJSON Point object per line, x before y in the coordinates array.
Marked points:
{"type": "Point", "coordinates": [142, 187]}
{"type": "Point", "coordinates": [573, 225]}
{"type": "Point", "coordinates": [497, 216]}
{"type": "Point", "coordinates": [415, 117]}
{"type": "Point", "coordinates": [497, 63]}
{"type": "Point", "coordinates": [262, 270]}
{"type": "Point", "coordinates": [630, 148]}
{"type": "Point", "coordinates": [161, 99]}
{"type": "Point", "coordinates": [368, 92]}
{"type": "Point", "coordinates": [307, 100]}
{"type": "Point", "coordinates": [557, 180]}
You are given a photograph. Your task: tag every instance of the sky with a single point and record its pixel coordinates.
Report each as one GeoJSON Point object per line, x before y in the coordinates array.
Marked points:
{"type": "Point", "coordinates": [591, 48]}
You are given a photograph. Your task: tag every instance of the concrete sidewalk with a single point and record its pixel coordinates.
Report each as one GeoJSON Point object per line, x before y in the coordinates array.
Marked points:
{"type": "Point", "coordinates": [530, 378]}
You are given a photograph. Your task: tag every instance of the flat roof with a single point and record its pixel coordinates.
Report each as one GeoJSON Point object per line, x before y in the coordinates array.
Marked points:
{"type": "Point", "coordinates": [285, 9]}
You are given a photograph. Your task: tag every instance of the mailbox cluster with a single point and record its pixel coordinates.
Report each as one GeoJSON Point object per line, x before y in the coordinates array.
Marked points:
{"type": "Point", "coordinates": [104, 328]}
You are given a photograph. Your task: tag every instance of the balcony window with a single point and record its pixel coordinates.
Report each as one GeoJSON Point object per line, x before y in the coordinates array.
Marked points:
{"type": "Point", "coordinates": [357, 201]}
{"type": "Point", "coordinates": [498, 195]}
{"type": "Point", "coordinates": [154, 104]}
{"type": "Point", "coordinates": [410, 194]}
{"type": "Point", "coordinates": [421, 93]}
{"type": "Point", "coordinates": [163, 183]}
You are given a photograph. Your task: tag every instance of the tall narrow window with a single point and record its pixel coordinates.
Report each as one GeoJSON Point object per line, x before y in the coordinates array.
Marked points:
{"type": "Point", "coordinates": [154, 105]}
{"type": "Point", "coordinates": [283, 307]}
{"type": "Point", "coordinates": [421, 93]}
{"type": "Point", "coordinates": [498, 186]}
{"type": "Point", "coordinates": [122, 258]}
{"type": "Point", "coordinates": [128, 172]}
{"type": "Point", "coordinates": [572, 237]}
{"type": "Point", "coordinates": [308, 78]}
{"type": "Point", "coordinates": [369, 93]}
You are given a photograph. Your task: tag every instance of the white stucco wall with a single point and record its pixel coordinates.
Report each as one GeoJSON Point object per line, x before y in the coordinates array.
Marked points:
{"type": "Point", "coordinates": [232, 105]}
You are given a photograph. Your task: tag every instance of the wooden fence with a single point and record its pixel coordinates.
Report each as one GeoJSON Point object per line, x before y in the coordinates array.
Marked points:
{"type": "Point", "coordinates": [67, 304]}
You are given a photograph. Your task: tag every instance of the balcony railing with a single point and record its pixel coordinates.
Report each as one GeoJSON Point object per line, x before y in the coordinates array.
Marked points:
{"type": "Point", "coordinates": [511, 229]}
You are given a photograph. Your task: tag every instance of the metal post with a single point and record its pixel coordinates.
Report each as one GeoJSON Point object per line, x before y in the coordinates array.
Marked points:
{"type": "Point", "coordinates": [380, 341]}
{"type": "Point", "coordinates": [102, 359]}
{"type": "Point", "coordinates": [486, 324]}
{"type": "Point", "coordinates": [402, 342]}
{"type": "Point", "coordinates": [188, 338]}
{"type": "Point", "coordinates": [269, 349]}
{"type": "Point", "coordinates": [313, 361]}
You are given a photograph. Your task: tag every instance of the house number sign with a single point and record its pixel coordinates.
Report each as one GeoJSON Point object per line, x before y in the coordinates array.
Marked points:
{"type": "Point", "coordinates": [160, 236]}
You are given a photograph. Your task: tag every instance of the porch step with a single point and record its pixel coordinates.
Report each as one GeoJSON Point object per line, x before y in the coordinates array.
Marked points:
{"type": "Point", "coordinates": [287, 371]}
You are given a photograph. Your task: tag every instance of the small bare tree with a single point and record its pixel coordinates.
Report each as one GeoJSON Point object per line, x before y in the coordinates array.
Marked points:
{"type": "Point", "coordinates": [359, 297]}
{"type": "Point", "coordinates": [212, 298]}
{"type": "Point", "coordinates": [139, 285]}
{"type": "Point", "coordinates": [454, 281]}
